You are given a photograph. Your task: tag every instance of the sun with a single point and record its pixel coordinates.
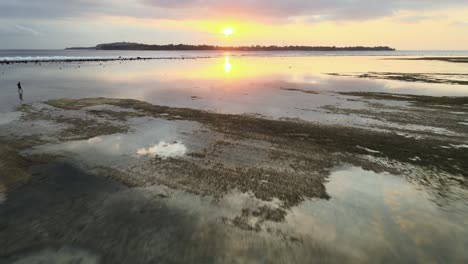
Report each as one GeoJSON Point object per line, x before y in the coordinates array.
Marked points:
{"type": "Point", "coordinates": [227, 31]}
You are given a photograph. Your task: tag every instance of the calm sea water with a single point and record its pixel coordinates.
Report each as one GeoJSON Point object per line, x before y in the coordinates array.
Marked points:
{"type": "Point", "coordinates": [63, 54]}
{"type": "Point", "coordinates": [225, 82]}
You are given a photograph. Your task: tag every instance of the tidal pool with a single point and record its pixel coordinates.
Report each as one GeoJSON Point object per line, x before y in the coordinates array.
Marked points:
{"type": "Point", "coordinates": [369, 218]}
{"type": "Point", "coordinates": [374, 218]}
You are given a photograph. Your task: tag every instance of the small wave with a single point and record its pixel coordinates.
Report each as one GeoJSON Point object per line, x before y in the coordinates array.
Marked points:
{"type": "Point", "coordinates": [19, 59]}
{"type": "Point", "coordinates": [54, 58]}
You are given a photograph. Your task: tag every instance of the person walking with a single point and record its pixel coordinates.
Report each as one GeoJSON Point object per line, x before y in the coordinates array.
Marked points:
{"type": "Point", "coordinates": [20, 90]}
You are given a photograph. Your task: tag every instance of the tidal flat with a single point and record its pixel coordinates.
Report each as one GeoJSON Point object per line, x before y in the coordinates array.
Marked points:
{"type": "Point", "coordinates": [444, 78]}
{"type": "Point", "coordinates": [452, 59]}
{"type": "Point", "coordinates": [209, 161]}
{"type": "Point", "coordinates": [259, 171]}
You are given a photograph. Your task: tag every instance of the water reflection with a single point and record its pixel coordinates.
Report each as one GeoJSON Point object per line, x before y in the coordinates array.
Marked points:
{"type": "Point", "coordinates": [227, 64]}
{"type": "Point", "coordinates": [372, 217]}
{"type": "Point", "coordinates": [3, 191]}
{"type": "Point", "coordinates": [6, 118]}
{"type": "Point", "coordinates": [164, 150]}
{"type": "Point", "coordinates": [64, 254]}
{"type": "Point", "coordinates": [171, 82]}
{"type": "Point", "coordinates": [150, 137]}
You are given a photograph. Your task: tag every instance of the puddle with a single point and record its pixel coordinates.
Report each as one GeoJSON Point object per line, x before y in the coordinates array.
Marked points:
{"type": "Point", "coordinates": [459, 146]}
{"type": "Point", "coordinates": [372, 218]}
{"type": "Point", "coordinates": [369, 150]}
{"type": "Point", "coordinates": [112, 108]}
{"type": "Point", "coordinates": [164, 150]}
{"type": "Point", "coordinates": [58, 255]}
{"type": "Point", "coordinates": [3, 191]}
{"type": "Point", "coordinates": [149, 137]}
{"type": "Point", "coordinates": [8, 117]}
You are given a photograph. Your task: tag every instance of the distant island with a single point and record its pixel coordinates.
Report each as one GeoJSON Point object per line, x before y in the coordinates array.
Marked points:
{"type": "Point", "coordinates": [138, 46]}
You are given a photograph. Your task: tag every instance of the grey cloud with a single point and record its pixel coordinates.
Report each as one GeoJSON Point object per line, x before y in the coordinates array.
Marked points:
{"type": "Point", "coordinates": [16, 29]}
{"type": "Point", "coordinates": [420, 18]}
{"type": "Point", "coordinates": [26, 30]}
{"type": "Point", "coordinates": [461, 24]}
{"type": "Point", "coordinates": [45, 8]}
{"type": "Point", "coordinates": [276, 10]}
{"type": "Point", "coordinates": [328, 10]}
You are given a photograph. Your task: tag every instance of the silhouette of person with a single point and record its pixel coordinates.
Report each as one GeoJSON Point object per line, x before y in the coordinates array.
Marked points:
{"type": "Point", "coordinates": [20, 91]}
{"type": "Point", "coordinates": [19, 87]}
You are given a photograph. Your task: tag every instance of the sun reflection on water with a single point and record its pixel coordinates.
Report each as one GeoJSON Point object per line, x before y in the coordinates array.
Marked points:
{"type": "Point", "coordinates": [227, 64]}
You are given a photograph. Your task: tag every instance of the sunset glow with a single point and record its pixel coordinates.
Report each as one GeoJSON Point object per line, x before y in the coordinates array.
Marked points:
{"type": "Point", "coordinates": [227, 31]}
{"type": "Point", "coordinates": [401, 25]}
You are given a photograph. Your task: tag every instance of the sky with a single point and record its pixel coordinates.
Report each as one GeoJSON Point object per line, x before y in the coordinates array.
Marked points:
{"type": "Point", "coordinates": [410, 24]}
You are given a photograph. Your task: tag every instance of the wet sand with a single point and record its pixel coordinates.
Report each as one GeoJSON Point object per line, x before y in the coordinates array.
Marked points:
{"type": "Point", "coordinates": [445, 59]}
{"type": "Point", "coordinates": [121, 180]}
{"type": "Point", "coordinates": [79, 60]}
{"type": "Point", "coordinates": [442, 78]}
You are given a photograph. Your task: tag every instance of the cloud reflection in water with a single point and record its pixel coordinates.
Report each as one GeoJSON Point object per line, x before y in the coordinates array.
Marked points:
{"type": "Point", "coordinates": [164, 150]}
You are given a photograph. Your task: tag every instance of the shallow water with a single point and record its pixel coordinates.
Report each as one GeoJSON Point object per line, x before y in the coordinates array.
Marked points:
{"type": "Point", "coordinates": [274, 87]}
{"type": "Point", "coordinates": [225, 84]}
{"type": "Point", "coordinates": [148, 138]}
{"type": "Point", "coordinates": [375, 218]}
{"type": "Point", "coordinates": [370, 218]}
{"type": "Point", "coordinates": [57, 54]}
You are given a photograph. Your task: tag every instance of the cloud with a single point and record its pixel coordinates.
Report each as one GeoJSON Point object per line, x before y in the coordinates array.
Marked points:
{"type": "Point", "coordinates": [12, 29]}
{"type": "Point", "coordinates": [26, 30]}
{"type": "Point", "coordinates": [420, 18]}
{"type": "Point", "coordinates": [279, 10]}
{"type": "Point", "coordinates": [462, 24]}
{"type": "Point", "coordinates": [44, 8]}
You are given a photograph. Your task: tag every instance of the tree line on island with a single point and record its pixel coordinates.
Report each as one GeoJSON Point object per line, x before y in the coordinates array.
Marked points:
{"type": "Point", "coordinates": [138, 46]}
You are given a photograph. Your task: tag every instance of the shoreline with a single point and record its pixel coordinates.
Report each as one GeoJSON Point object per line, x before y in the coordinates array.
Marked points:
{"type": "Point", "coordinates": [98, 60]}
{"type": "Point", "coordinates": [3, 61]}
{"type": "Point", "coordinates": [454, 59]}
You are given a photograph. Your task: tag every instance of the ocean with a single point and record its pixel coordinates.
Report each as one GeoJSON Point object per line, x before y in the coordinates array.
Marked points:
{"type": "Point", "coordinates": [101, 54]}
